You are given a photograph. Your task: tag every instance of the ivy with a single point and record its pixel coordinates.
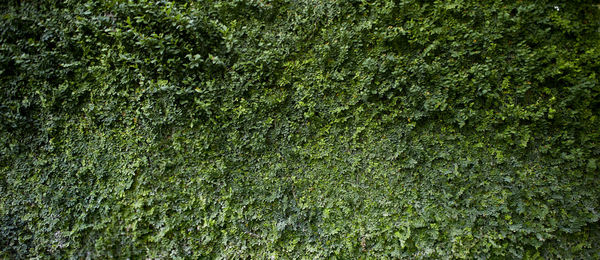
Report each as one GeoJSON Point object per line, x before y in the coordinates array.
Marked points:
{"type": "Point", "coordinates": [299, 129]}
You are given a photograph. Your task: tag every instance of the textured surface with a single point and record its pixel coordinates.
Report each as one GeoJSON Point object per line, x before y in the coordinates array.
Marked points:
{"type": "Point", "coordinates": [300, 129]}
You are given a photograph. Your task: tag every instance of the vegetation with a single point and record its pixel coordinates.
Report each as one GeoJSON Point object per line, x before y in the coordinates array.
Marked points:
{"type": "Point", "coordinates": [300, 129]}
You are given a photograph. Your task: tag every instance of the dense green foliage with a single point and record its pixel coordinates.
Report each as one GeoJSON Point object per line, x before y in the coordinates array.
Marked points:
{"type": "Point", "coordinates": [290, 129]}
